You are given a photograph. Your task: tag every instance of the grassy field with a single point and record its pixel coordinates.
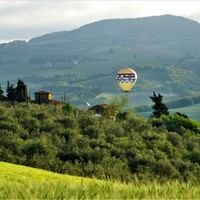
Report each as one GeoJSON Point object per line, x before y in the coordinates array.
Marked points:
{"type": "Point", "coordinates": [19, 182]}
{"type": "Point", "coordinates": [191, 111]}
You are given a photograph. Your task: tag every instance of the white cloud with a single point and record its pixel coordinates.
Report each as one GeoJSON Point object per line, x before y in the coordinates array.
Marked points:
{"type": "Point", "coordinates": [29, 18]}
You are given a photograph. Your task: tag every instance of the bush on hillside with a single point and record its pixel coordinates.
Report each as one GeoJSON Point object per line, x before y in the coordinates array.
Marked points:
{"type": "Point", "coordinates": [45, 136]}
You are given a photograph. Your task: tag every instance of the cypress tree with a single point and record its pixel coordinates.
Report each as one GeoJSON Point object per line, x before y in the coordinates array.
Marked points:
{"type": "Point", "coordinates": [21, 91]}
{"type": "Point", "coordinates": [11, 92]}
{"type": "Point", "coordinates": [159, 107]}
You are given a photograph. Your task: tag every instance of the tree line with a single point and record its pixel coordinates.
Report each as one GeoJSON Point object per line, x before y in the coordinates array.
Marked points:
{"type": "Point", "coordinates": [18, 93]}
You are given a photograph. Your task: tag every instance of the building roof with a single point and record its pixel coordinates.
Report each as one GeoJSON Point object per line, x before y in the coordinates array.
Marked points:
{"type": "Point", "coordinates": [42, 92]}
{"type": "Point", "coordinates": [98, 106]}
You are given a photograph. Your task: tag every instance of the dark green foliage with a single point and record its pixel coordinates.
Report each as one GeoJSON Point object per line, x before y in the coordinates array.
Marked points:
{"type": "Point", "coordinates": [177, 123]}
{"type": "Point", "coordinates": [78, 143]}
{"type": "Point", "coordinates": [18, 94]}
{"type": "Point", "coordinates": [2, 97]}
{"type": "Point", "coordinates": [159, 107]}
{"type": "Point", "coordinates": [68, 107]}
{"type": "Point", "coordinates": [183, 122]}
{"type": "Point", "coordinates": [21, 91]}
{"type": "Point", "coordinates": [11, 92]}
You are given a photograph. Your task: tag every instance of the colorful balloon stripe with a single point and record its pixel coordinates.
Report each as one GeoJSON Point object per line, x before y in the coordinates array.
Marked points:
{"type": "Point", "coordinates": [126, 78]}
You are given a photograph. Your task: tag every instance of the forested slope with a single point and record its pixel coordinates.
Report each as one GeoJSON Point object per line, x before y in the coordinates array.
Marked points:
{"type": "Point", "coordinates": [78, 143]}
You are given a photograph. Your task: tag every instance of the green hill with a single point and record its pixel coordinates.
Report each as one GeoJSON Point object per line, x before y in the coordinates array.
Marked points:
{"type": "Point", "coordinates": [164, 51]}
{"type": "Point", "coordinates": [19, 182]}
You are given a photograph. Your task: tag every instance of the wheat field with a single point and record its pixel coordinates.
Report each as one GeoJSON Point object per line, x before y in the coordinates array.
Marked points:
{"type": "Point", "coordinates": [20, 182]}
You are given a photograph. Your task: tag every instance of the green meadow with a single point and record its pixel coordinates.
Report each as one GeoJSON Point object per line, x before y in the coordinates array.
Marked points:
{"type": "Point", "coordinates": [191, 111]}
{"type": "Point", "coordinates": [20, 182]}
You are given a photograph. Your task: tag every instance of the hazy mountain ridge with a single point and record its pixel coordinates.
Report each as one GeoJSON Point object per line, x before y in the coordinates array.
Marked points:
{"type": "Point", "coordinates": [113, 28]}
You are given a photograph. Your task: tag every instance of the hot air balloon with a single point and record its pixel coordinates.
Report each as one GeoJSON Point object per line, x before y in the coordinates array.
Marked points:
{"type": "Point", "coordinates": [126, 79]}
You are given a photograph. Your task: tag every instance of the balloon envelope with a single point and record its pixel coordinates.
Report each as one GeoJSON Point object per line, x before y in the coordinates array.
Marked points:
{"type": "Point", "coordinates": [126, 79]}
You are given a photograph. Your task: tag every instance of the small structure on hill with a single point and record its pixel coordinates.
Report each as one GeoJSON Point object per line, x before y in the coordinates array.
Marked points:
{"type": "Point", "coordinates": [99, 109]}
{"type": "Point", "coordinates": [45, 97]}
{"type": "Point", "coordinates": [103, 110]}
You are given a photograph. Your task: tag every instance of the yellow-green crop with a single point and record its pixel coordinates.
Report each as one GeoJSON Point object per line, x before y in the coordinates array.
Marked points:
{"type": "Point", "coordinates": [19, 182]}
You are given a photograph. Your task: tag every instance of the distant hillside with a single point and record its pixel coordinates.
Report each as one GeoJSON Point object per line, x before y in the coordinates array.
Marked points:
{"type": "Point", "coordinates": [164, 50]}
{"type": "Point", "coordinates": [168, 26]}
{"type": "Point", "coordinates": [191, 111]}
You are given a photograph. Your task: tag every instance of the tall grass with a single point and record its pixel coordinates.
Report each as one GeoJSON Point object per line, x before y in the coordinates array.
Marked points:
{"type": "Point", "coordinates": [18, 182]}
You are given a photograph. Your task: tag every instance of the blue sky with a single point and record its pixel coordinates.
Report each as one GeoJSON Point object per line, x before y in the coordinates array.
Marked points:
{"type": "Point", "coordinates": [31, 18]}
